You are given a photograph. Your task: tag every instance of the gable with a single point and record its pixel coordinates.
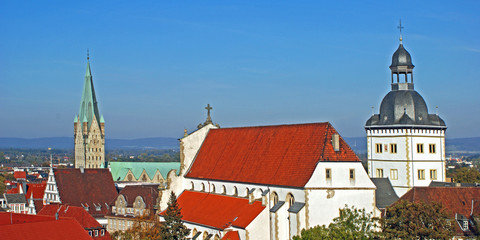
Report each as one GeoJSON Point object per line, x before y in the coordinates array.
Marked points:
{"type": "Point", "coordinates": [283, 155]}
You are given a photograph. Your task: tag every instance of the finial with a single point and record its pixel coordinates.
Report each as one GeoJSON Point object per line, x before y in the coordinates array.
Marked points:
{"type": "Point", "coordinates": [209, 119]}
{"type": "Point", "coordinates": [185, 132]}
{"type": "Point", "coordinates": [400, 28]}
{"type": "Point", "coordinates": [373, 113]}
{"type": "Point", "coordinates": [436, 110]}
{"type": "Point", "coordinates": [88, 55]}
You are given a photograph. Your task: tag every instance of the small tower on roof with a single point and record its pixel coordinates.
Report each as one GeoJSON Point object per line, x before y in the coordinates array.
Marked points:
{"type": "Point", "coordinates": [89, 128]}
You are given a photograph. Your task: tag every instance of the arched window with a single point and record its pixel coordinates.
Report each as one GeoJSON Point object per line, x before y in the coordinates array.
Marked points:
{"type": "Point", "coordinates": [235, 191]}
{"type": "Point", "coordinates": [290, 199]}
{"type": "Point", "coordinates": [246, 191]}
{"type": "Point", "coordinates": [224, 190]}
{"type": "Point", "coordinates": [203, 187]}
{"type": "Point", "coordinates": [192, 186]}
{"type": "Point", "coordinates": [274, 198]}
{"type": "Point", "coordinates": [213, 188]}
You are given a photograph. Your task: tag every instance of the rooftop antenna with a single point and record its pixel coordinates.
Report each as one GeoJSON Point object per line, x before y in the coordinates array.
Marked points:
{"type": "Point", "coordinates": [400, 28]}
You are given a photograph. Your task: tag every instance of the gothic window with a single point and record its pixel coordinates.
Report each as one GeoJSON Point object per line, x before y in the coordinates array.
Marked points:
{"type": "Point", "coordinates": [290, 199]}
{"type": "Point", "coordinates": [235, 191]}
{"type": "Point", "coordinates": [192, 186]}
{"type": "Point", "coordinates": [328, 173]}
{"type": "Point", "coordinates": [213, 188]}
{"type": "Point", "coordinates": [203, 187]}
{"type": "Point", "coordinates": [274, 198]}
{"type": "Point", "coordinates": [224, 190]}
{"type": "Point", "coordinates": [352, 174]}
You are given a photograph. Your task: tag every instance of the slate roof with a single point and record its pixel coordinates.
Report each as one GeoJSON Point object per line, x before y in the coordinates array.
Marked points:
{"type": "Point", "coordinates": [93, 187]}
{"type": "Point", "coordinates": [15, 226]}
{"type": "Point", "coordinates": [149, 193]}
{"type": "Point", "coordinates": [232, 235]}
{"type": "Point", "coordinates": [120, 169]}
{"type": "Point", "coordinates": [282, 155]}
{"type": "Point", "coordinates": [15, 198]}
{"type": "Point", "coordinates": [384, 195]}
{"type": "Point", "coordinates": [217, 211]}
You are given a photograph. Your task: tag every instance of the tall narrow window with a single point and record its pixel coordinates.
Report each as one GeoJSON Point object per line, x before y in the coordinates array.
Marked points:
{"type": "Point", "coordinates": [393, 174]}
{"type": "Point", "coordinates": [433, 174]}
{"type": "Point", "coordinates": [393, 148]}
{"type": "Point", "coordinates": [420, 148]}
{"type": "Point", "coordinates": [378, 148]}
{"type": "Point", "coordinates": [290, 199]}
{"type": "Point", "coordinates": [379, 172]}
{"type": "Point", "coordinates": [328, 174]}
{"type": "Point", "coordinates": [235, 191]}
{"type": "Point", "coordinates": [352, 174]}
{"type": "Point", "coordinates": [431, 148]}
{"type": "Point", "coordinates": [421, 174]}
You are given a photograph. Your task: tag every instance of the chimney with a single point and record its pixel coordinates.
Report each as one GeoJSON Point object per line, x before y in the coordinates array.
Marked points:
{"type": "Point", "coordinates": [336, 142]}
{"type": "Point", "coordinates": [82, 169]}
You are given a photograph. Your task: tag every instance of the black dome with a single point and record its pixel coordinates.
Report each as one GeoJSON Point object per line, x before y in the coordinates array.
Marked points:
{"type": "Point", "coordinates": [401, 57]}
{"type": "Point", "coordinates": [404, 107]}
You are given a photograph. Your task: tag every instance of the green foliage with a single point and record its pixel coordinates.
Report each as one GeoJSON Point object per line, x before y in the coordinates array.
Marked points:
{"type": "Point", "coordinates": [2, 184]}
{"type": "Point", "coordinates": [407, 220]}
{"type": "Point", "coordinates": [467, 175]}
{"type": "Point", "coordinates": [173, 228]}
{"type": "Point", "coordinates": [10, 177]}
{"type": "Point", "coordinates": [352, 223]}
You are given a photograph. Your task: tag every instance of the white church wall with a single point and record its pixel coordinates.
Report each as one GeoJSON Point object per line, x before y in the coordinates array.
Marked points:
{"type": "Point", "coordinates": [258, 229]}
{"type": "Point", "coordinates": [191, 145]}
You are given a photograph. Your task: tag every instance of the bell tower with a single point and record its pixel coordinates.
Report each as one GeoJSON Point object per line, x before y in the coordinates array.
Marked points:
{"type": "Point", "coordinates": [89, 128]}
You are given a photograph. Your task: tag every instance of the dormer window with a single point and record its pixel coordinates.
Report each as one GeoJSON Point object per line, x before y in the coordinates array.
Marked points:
{"type": "Point", "coordinates": [98, 207]}
{"type": "Point", "coordinates": [465, 225]}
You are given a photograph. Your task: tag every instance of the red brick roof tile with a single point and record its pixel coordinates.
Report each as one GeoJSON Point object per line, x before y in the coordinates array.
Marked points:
{"type": "Point", "coordinates": [93, 187]}
{"type": "Point", "coordinates": [284, 155]}
{"type": "Point", "coordinates": [149, 193]}
{"type": "Point", "coordinates": [38, 189]}
{"type": "Point", "coordinates": [217, 211]}
{"type": "Point", "coordinates": [20, 174]}
{"type": "Point", "coordinates": [232, 235]}
{"type": "Point", "coordinates": [82, 216]}
{"type": "Point", "coordinates": [25, 227]}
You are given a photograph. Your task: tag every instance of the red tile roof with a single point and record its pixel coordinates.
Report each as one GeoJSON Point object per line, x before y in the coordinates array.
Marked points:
{"type": "Point", "coordinates": [284, 155]}
{"type": "Point", "coordinates": [38, 189]}
{"type": "Point", "coordinates": [20, 174]}
{"type": "Point", "coordinates": [82, 216]}
{"type": "Point", "coordinates": [93, 187]}
{"type": "Point", "coordinates": [232, 235]}
{"type": "Point", "coordinates": [454, 199]}
{"type": "Point", "coordinates": [24, 227]}
{"type": "Point", "coordinates": [12, 191]}
{"type": "Point", "coordinates": [217, 211]}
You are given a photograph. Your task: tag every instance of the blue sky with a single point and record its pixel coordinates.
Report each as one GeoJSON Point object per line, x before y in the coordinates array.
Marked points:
{"type": "Point", "coordinates": [156, 64]}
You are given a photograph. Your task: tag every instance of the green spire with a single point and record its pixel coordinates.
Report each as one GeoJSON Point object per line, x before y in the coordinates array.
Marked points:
{"type": "Point", "coordinates": [88, 105]}
{"type": "Point", "coordinates": [101, 119]}
{"type": "Point", "coordinates": [75, 119]}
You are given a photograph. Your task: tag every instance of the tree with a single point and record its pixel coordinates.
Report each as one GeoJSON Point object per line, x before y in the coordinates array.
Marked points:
{"type": "Point", "coordinates": [352, 223]}
{"type": "Point", "coordinates": [411, 220]}
{"type": "Point", "coordinates": [145, 227]}
{"type": "Point", "coordinates": [2, 184]}
{"type": "Point", "coordinates": [173, 228]}
{"type": "Point", "coordinates": [466, 175]}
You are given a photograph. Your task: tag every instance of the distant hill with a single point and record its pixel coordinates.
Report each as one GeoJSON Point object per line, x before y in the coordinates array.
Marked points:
{"type": "Point", "coordinates": [358, 144]}
{"type": "Point", "coordinates": [471, 145]}
{"type": "Point", "coordinates": [67, 143]}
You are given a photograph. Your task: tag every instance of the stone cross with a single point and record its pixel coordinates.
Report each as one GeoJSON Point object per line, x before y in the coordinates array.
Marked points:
{"type": "Point", "coordinates": [208, 109]}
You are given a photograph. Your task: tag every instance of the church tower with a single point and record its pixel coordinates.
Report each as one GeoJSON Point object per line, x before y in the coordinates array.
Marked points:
{"type": "Point", "coordinates": [89, 128]}
{"type": "Point", "coordinates": [405, 143]}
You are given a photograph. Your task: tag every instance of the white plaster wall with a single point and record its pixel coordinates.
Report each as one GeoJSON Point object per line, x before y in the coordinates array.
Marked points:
{"type": "Point", "coordinates": [340, 176]}
{"type": "Point", "coordinates": [258, 228]}
{"type": "Point", "coordinates": [407, 160]}
{"type": "Point", "coordinates": [191, 144]}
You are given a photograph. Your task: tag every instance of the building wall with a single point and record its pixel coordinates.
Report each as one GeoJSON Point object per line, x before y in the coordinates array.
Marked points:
{"type": "Point", "coordinates": [407, 160]}
{"type": "Point", "coordinates": [89, 145]}
{"type": "Point", "coordinates": [258, 229]}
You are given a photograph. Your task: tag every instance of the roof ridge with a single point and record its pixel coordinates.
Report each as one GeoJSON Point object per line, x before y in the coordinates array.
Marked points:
{"type": "Point", "coordinates": [278, 125]}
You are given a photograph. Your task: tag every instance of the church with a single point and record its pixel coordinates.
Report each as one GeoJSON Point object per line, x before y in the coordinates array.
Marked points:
{"type": "Point", "coordinates": [89, 128]}
{"type": "Point", "coordinates": [267, 182]}
{"type": "Point", "coordinates": [405, 142]}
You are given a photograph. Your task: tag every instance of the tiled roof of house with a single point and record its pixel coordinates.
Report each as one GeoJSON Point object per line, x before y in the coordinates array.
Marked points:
{"type": "Point", "coordinates": [38, 189]}
{"type": "Point", "coordinates": [20, 175]}
{"type": "Point", "coordinates": [384, 195]}
{"type": "Point", "coordinates": [93, 187]}
{"type": "Point", "coordinates": [232, 235]}
{"type": "Point", "coordinates": [217, 211]}
{"type": "Point", "coordinates": [284, 155]}
{"type": "Point", "coordinates": [82, 216]}
{"type": "Point", "coordinates": [454, 199]}
{"type": "Point", "coordinates": [15, 198]}
{"type": "Point", "coordinates": [120, 169]}
{"type": "Point", "coordinates": [25, 227]}
{"type": "Point", "coordinates": [149, 193]}
{"type": "Point", "coordinates": [12, 190]}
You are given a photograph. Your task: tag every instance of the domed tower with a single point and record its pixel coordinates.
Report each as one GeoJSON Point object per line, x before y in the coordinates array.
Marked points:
{"type": "Point", "coordinates": [405, 143]}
